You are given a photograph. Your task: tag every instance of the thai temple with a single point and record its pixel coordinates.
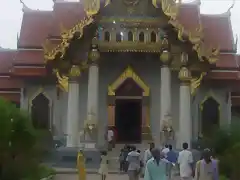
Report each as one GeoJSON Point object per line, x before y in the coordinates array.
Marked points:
{"type": "Point", "coordinates": [152, 70]}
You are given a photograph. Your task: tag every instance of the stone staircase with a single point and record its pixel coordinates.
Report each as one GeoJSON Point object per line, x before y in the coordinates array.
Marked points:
{"type": "Point", "coordinates": [114, 154]}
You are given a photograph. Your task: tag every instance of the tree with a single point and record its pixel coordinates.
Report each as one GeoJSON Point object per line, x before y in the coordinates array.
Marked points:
{"type": "Point", "coordinates": [226, 144]}
{"type": "Point", "coordinates": [19, 156]}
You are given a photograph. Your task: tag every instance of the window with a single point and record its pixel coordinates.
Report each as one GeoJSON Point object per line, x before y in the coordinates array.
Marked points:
{"type": "Point", "coordinates": [130, 36]}
{"type": "Point", "coordinates": [141, 37]}
{"type": "Point", "coordinates": [40, 112]}
{"type": "Point", "coordinates": [107, 36]}
{"type": "Point", "coordinates": [153, 37]}
{"type": "Point", "coordinates": [209, 116]}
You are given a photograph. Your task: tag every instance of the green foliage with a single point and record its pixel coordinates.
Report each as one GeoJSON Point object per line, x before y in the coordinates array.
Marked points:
{"type": "Point", "coordinates": [19, 153]}
{"type": "Point", "coordinates": [226, 144]}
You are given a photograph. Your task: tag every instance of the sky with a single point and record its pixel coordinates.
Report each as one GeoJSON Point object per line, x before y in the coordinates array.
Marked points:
{"type": "Point", "coordinates": [11, 16]}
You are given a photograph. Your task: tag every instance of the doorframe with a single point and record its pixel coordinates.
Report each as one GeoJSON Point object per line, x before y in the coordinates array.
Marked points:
{"type": "Point", "coordinates": [145, 110]}
{"type": "Point", "coordinates": [129, 73]}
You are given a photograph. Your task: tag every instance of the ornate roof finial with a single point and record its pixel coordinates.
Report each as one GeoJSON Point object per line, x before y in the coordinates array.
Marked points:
{"type": "Point", "coordinates": [25, 8]}
{"type": "Point", "coordinates": [232, 6]}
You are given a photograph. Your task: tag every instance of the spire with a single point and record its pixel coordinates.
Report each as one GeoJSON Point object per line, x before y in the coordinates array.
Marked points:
{"type": "Point", "coordinates": [231, 7]}
{"type": "Point", "coordinates": [25, 8]}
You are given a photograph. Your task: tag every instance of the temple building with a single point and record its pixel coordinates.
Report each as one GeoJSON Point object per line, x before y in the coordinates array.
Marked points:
{"type": "Point", "coordinates": [151, 69]}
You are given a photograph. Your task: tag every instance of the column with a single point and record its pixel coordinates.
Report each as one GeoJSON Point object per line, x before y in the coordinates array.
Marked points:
{"type": "Point", "coordinates": [92, 97]}
{"type": "Point", "coordinates": [165, 94]}
{"type": "Point", "coordinates": [73, 109]}
{"type": "Point", "coordinates": [185, 122]}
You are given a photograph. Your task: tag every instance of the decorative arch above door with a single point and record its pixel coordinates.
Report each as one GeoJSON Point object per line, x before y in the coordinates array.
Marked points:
{"type": "Point", "coordinates": [128, 74]}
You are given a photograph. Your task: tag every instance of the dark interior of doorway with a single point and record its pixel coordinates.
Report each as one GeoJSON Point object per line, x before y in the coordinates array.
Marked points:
{"type": "Point", "coordinates": [128, 114]}
{"type": "Point", "coordinates": [210, 116]}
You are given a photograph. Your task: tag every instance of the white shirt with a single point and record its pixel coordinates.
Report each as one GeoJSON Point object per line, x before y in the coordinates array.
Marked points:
{"type": "Point", "coordinates": [185, 158]}
{"type": "Point", "coordinates": [110, 135]}
{"type": "Point", "coordinates": [165, 151]}
{"type": "Point", "coordinates": [147, 156]}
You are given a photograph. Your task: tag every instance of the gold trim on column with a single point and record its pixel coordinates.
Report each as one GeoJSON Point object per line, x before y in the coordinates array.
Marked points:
{"type": "Point", "coordinates": [128, 73]}
{"type": "Point", "coordinates": [111, 115]}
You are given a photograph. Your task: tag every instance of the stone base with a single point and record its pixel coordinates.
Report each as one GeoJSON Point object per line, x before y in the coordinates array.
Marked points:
{"type": "Point", "coordinates": [67, 157]}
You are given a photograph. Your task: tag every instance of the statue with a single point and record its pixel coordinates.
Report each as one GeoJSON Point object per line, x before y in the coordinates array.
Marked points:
{"type": "Point", "coordinates": [167, 129]}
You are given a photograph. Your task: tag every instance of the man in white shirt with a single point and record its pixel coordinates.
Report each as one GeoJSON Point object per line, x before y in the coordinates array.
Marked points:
{"type": "Point", "coordinates": [185, 161]}
{"type": "Point", "coordinates": [165, 150]}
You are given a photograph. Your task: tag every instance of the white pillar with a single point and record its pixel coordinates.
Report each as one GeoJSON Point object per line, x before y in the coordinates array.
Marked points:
{"type": "Point", "coordinates": [165, 102]}
{"type": "Point", "coordinates": [92, 101]}
{"type": "Point", "coordinates": [73, 114]}
{"type": "Point", "coordinates": [165, 92]}
{"type": "Point", "coordinates": [185, 123]}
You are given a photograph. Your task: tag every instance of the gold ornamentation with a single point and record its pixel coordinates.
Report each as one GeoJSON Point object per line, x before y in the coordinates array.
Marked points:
{"type": "Point", "coordinates": [196, 82]}
{"type": "Point", "coordinates": [129, 46]}
{"type": "Point", "coordinates": [94, 55]}
{"type": "Point", "coordinates": [184, 58]}
{"type": "Point", "coordinates": [91, 7]}
{"type": "Point", "coordinates": [90, 123]}
{"type": "Point", "coordinates": [165, 57]}
{"type": "Point", "coordinates": [155, 3]}
{"type": "Point", "coordinates": [62, 80]}
{"type": "Point", "coordinates": [107, 2]}
{"type": "Point", "coordinates": [184, 74]}
{"type": "Point", "coordinates": [128, 73]}
{"type": "Point", "coordinates": [75, 71]}
{"type": "Point", "coordinates": [66, 36]}
{"type": "Point", "coordinates": [165, 43]}
{"type": "Point", "coordinates": [171, 9]}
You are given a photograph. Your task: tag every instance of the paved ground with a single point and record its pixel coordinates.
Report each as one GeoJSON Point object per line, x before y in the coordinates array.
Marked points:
{"type": "Point", "coordinates": [90, 177]}
{"type": "Point", "coordinates": [94, 177]}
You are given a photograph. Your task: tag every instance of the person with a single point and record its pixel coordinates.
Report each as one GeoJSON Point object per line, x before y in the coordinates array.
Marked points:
{"type": "Point", "coordinates": [207, 168]}
{"type": "Point", "coordinates": [165, 150]}
{"type": "Point", "coordinates": [171, 155]}
{"type": "Point", "coordinates": [133, 160]}
{"type": "Point", "coordinates": [156, 166]}
{"type": "Point", "coordinates": [172, 158]}
{"type": "Point", "coordinates": [123, 157]}
{"type": "Point", "coordinates": [148, 154]}
{"type": "Point", "coordinates": [103, 170]}
{"type": "Point", "coordinates": [110, 139]}
{"type": "Point", "coordinates": [185, 162]}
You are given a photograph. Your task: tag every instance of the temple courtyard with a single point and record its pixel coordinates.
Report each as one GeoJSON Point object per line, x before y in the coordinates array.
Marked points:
{"type": "Point", "coordinates": [95, 177]}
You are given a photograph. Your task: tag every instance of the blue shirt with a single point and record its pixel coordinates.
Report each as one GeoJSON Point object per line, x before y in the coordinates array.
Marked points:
{"type": "Point", "coordinates": [172, 156]}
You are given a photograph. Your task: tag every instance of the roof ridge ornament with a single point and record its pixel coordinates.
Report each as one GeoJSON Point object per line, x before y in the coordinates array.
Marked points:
{"type": "Point", "coordinates": [91, 7]}
{"type": "Point", "coordinates": [231, 7]}
{"type": "Point", "coordinates": [25, 8]}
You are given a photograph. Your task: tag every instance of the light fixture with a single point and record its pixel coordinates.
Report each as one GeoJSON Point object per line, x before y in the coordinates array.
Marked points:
{"type": "Point", "coordinates": [114, 22]}
{"type": "Point", "coordinates": [121, 33]}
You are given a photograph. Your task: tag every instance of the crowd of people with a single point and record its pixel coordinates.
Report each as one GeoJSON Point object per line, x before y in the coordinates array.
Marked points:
{"type": "Point", "coordinates": [163, 164]}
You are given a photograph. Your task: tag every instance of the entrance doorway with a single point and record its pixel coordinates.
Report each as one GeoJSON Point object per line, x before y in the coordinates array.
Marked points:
{"type": "Point", "coordinates": [128, 114]}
